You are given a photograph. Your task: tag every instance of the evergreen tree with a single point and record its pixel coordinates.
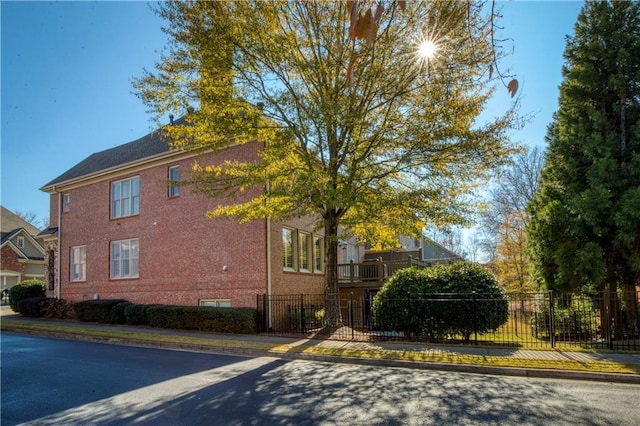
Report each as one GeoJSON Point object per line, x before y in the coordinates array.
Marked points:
{"type": "Point", "coordinates": [585, 219]}
{"type": "Point", "coordinates": [357, 129]}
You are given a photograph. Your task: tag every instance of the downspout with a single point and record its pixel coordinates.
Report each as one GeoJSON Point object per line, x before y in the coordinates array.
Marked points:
{"type": "Point", "coordinates": [57, 265]}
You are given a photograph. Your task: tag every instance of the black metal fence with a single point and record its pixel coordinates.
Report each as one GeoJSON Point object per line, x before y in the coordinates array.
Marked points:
{"type": "Point", "coordinates": [535, 320]}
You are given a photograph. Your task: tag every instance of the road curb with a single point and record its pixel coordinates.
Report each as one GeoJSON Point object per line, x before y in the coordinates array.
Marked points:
{"type": "Point", "coordinates": [377, 362]}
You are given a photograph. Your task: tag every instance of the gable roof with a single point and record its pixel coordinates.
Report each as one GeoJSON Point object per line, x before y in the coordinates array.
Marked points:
{"type": "Point", "coordinates": [7, 239]}
{"type": "Point", "coordinates": [10, 221]}
{"type": "Point", "coordinates": [147, 146]}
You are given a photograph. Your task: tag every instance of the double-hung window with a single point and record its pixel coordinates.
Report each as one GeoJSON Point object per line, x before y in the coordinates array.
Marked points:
{"type": "Point", "coordinates": [288, 249]}
{"type": "Point", "coordinates": [66, 202]}
{"type": "Point", "coordinates": [125, 197]}
{"type": "Point", "coordinates": [174, 178]}
{"type": "Point", "coordinates": [124, 258]}
{"type": "Point", "coordinates": [78, 263]}
{"type": "Point", "coordinates": [304, 242]}
{"type": "Point", "coordinates": [318, 254]}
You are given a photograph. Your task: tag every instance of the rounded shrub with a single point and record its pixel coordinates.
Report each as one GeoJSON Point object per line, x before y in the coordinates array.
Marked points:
{"type": "Point", "coordinates": [31, 307]}
{"type": "Point", "coordinates": [25, 290]}
{"type": "Point", "coordinates": [441, 301]}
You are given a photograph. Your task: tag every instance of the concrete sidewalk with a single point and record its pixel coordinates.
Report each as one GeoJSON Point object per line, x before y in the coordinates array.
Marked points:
{"type": "Point", "coordinates": [601, 366]}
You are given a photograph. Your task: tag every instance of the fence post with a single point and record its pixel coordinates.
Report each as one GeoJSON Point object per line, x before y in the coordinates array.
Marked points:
{"type": "Point", "coordinates": [351, 323]}
{"type": "Point", "coordinates": [258, 317]}
{"type": "Point", "coordinates": [302, 325]}
{"type": "Point", "coordinates": [475, 318]}
{"type": "Point", "coordinates": [552, 329]}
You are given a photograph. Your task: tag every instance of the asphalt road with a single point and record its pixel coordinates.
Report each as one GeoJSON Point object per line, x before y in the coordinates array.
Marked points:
{"type": "Point", "coordinates": [65, 382]}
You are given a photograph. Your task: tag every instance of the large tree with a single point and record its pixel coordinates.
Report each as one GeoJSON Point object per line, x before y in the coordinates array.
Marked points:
{"type": "Point", "coordinates": [367, 110]}
{"type": "Point", "coordinates": [585, 228]}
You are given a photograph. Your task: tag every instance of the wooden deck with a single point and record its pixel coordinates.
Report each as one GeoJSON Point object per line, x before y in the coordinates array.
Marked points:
{"type": "Point", "coordinates": [372, 273]}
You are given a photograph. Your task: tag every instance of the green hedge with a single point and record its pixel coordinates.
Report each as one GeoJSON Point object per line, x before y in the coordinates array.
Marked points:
{"type": "Point", "coordinates": [96, 310]}
{"type": "Point", "coordinates": [136, 314]}
{"type": "Point", "coordinates": [203, 318]}
{"type": "Point", "coordinates": [25, 290]}
{"type": "Point", "coordinates": [117, 315]}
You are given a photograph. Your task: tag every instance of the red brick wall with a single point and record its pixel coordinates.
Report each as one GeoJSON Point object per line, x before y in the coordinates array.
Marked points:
{"type": "Point", "coordinates": [184, 257]}
{"type": "Point", "coordinates": [9, 260]}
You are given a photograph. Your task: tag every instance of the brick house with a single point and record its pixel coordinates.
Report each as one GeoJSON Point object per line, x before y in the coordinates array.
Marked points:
{"type": "Point", "coordinates": [121, 229]}
{"type": "Point", "coordinates": [22, 253]}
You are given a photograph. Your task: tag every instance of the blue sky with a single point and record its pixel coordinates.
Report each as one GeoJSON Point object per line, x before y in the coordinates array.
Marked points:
{"type": "Point", "coordinates": [67, 68]}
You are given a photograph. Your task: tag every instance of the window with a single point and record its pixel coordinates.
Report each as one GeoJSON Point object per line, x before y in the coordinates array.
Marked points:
{"type": "Point", "coordinates": [318, 254]}
{"type": "Point", "coordinates": [124, 258]}
{"type": "Point", "coordinates": [174, 177]}
{"type": "Point", "coordinates": [288, 248]}
{"type": "Point", "coordinates": [304, 244]}
{"type": "Point", "coordinates": [125, 197]}
{"type": "Point", "coordinates": [216, 303]}
{"type": "Point", "coordinates": [66, 202]}
{"type": "Point", "coordinates": [78, 263]}
{"type": "Point", "coordinates": [20, 242]}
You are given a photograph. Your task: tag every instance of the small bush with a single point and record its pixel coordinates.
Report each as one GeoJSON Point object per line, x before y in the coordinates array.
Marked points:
{"type": "Point", "coordinates": [117, 313]}
{"type": "Point", "coordinates": [96, 310]}
{"type": "Point", "coordinates": [57, 308]}
{"type": "Point", "coordinates": [25, 290]}
{"type": "Point", "coordinates": [31, 307]}
{"type": "Point", "coordinates": [135, 314]}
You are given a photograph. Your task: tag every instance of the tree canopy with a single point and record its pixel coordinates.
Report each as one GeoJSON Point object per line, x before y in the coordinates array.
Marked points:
{"type": "Point", "coordinates": [585, 226]}
{"type": "Point", "coordinates": [357, 128]}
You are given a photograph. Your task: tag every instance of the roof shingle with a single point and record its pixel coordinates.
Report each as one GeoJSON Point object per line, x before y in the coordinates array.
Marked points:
{"type": "Point", "coordinates": [152, 144]}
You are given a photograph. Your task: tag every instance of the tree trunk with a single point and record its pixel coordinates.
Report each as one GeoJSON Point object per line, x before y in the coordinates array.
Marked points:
{"type": "Point", "coordinates": [331, 291]}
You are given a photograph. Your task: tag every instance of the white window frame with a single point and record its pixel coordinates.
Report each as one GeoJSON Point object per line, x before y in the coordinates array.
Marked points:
{"type": "Point", "coordinates": [78, 263]}
{"type": "Point", "coordinates": [125, 197]}
{"type": "Point", "coordinates": [216, 303]}
{"type": "Point", "coordinates": [20, 242]}
{"type": "Point", "coordinates": [66, 202]}
{"type": "Point", "coordinates": [318, 254]}
{"type": "Point", "coordinates": [174, 176]}
{"type": "Point", "coordinates": [124, 259]}
{"type": "Point", "coordinates": [305, 250]}
{"type": "Point", "coordinates": [294, 252]}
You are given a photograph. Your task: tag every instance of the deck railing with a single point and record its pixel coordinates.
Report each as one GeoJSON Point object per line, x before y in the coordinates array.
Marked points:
{"type": "Point", "coordinates": [371, 272]}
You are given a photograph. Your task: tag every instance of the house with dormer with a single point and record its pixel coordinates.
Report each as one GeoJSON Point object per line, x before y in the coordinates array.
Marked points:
{"type": "Point", "coordinates": [22, 251]}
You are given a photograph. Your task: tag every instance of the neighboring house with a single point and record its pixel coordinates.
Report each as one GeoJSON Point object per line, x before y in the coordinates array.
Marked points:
{"type": "Point", "coordinates": [22, 255]}
{"type": "Point", "coordinates": [120, 228]}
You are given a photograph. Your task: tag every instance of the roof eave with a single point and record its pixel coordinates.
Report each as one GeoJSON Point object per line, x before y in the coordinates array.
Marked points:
{"type": "Point", "coordinates": [52, 187]}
